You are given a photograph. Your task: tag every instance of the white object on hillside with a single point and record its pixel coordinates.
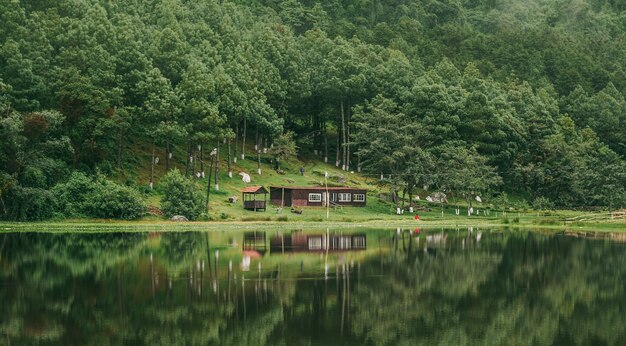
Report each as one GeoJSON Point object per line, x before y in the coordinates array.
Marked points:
{"type": "Point", "coordinates": [478, 199]}
{"type": "Point", "coordinates": [245, 177]}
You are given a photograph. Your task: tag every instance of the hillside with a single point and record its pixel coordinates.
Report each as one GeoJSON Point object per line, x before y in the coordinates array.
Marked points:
{"type": "Point", "coordinates": [474, 98]}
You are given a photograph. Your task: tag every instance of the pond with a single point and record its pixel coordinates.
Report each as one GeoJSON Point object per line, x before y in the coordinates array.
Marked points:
{"type": "Point", "coordinates": [313, 287]}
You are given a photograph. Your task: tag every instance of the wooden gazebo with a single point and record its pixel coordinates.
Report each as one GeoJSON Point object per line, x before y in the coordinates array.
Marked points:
{"type": "Point", "coordinates": [250, 200]}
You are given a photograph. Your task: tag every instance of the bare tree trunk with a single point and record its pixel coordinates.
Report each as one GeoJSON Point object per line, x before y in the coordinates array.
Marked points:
{"type": "Point", "coordinates": [348, 138]}
{"type": "Point", "coordinates": [188, 159]}
{"type": "Point", "coordinates": [230, 170]}
{"type": "Point", "coordinates": [168, 156]}
{"type": "Point", "coordinates": [236, 141]}
{"type": "Point", "coordinates": [193, 161]}
{"type": "Point", "coordinates": [258, 155]}
{"type": "Point", "coordinates": [338, 149]}
{"type": "Point", "coordinates": [243, 146]}
{"type": "Point", "coordinates": [152, 166]}
{"type": "Point", "coordinates": [120, 147]}
{"type": "Point", "coordinates": [201, 159]}
{"type": "Point", "coordinates": [217, 165]}
{"type": "Point", "coordinates": [325, 144]}
{"type": "Point", "coordinates": [343, 141]}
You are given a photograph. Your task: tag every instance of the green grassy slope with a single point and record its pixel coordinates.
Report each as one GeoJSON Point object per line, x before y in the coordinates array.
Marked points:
{"type": "Point", "coordinates": [377, 211]}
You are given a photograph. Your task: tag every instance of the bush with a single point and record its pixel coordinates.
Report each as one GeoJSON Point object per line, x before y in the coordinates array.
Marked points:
{"type": "Point", "coordinates": [28, 204]}
{"type": "Point", "coordinates": [82, 196]}
{"type": "Point", "coordinates": [180, 196]}
{"type": "Point", "coordinates": [542, 203]}
{"type": "Point", "coordinates": [111, 200]}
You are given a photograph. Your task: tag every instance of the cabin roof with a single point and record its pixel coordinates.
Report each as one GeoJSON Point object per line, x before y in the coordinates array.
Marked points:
{"type": "Point", "coordinates": [254, 189]}
{"type": "Point", "coordinates": [320, 188]}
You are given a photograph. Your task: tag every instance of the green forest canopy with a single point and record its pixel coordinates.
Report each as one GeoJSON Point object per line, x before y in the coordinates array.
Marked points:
{"type": "Point", "coordinates": [526, 96]}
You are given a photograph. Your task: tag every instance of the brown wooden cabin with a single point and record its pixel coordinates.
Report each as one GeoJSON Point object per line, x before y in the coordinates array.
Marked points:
{"type": "Point", "coordinates": [251, 198]}
{"type": "Point", "coordinates": [316, 196]}
{"type": "Point", "coordinates": [300, 242]}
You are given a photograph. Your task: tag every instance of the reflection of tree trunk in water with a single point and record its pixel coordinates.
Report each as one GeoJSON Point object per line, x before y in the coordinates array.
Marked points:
{"type": "Point", "coordinates": [230, 269]}
{"type": "Point", "coordinates": [201, 267]}
{"type": "Point", "coordinates": [343, 297]}
{"type": "Point", "coordinates": [408, 253]}
{"type": "Point", "coordinates": [152, 273]}
{"type": "Point", "coordinates": [119, 294]}
{"type": "Point", "coordinates": [243, 294]}
{"type": "Point", "coordinates": [217, 277]}
{"type": "Point", "coordinates": [208, 255]}
{"type": "Point", "coordinates": [403, 242]}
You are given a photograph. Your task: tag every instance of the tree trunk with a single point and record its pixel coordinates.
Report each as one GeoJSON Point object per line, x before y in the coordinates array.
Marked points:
{"type": "Point", "coordinates": [236, 140]}
{"type": "Point", "coordinates": [348, 138]}
{"type": "Point", "coordinates": [193, 161]}
{"type": "Point", "coordinates": [168, 153]}
{"type": "Point", "coordinates": [120, 147]}
{"type": "Point", "coordinates": [258, 155]}
{"type": "Point", "coordinates": [403, 195]}
{"type": "Point", "coordinates": [217, 167]}
{"type": "Point", "coordinates": [338, 149]}
{"type": "Point", "coordinates": [152, 166]}
{"type": "Point", "coordinates": [325, 144]}
{"type": "Point", "coordinates": [230, 171]}
{"type": "Point", "coordinates": [188, 159]}
{"type": "Point", "coordinates": [469, 205]}
{"type": "Point", "coordinates": [343, 138]}
{"type": "Point", "coordinates": [243, 146]}
{"type": "Point", "coordinates": [201, 159]}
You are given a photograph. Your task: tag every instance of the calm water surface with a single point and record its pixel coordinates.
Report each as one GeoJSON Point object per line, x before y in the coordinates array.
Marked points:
{"type": "Point", "coordinates": [348, 287]}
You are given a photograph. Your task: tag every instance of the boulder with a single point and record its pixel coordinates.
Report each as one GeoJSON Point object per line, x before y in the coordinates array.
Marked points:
{"type": "Point", "coordinates": [438, 197]}
{"type": "Point", "coordinates": [179, 218]}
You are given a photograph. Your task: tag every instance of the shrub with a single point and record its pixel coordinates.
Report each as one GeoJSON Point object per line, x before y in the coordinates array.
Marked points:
{"type": "Point", "coordinates": [180, 196]}
{"type": "Point", "coordinates": [83, 196]}
{"type": "Point", "coordinates": [111, 200]}
{"type": "Point", "coordinates": [542, 203]}
{"type": "Point", "coordinates": [29, 204]}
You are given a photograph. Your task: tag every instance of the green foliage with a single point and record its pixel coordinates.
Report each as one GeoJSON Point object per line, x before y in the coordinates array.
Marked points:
{"type": "Point", "coordinates": [83, 196]}
{"type": "Point", "coordinates": [180, 196]}
{"type": "Point", "coordinates": [536, 88]}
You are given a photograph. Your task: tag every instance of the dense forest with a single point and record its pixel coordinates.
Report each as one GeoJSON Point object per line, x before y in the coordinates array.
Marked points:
{"type": "Point", "coordinates": [470, 97]}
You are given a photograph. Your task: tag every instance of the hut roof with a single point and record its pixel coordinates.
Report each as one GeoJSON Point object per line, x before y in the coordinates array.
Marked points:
{"type": "Point", "coordinates": [254, 189]}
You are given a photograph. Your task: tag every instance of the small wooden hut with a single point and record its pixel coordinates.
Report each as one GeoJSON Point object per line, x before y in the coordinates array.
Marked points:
{"type": "Point", "coordinates": [251, 200]}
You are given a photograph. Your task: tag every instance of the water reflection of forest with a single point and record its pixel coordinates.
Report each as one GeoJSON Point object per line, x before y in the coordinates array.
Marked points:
{"type": "Point", "coordinates": [402, 286]}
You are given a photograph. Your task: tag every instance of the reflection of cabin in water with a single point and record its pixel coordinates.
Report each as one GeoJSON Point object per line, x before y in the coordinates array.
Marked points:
{"type": "Point", "coordinates": [254, 242]}
{"type": "Point", "coordinates": [300, 242]}
{"type": "Point", "coordinates": [317, 196]}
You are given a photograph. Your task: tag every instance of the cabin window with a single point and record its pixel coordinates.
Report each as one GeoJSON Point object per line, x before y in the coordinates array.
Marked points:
{"type": "Point", "coordinates": [359, 197]}
{"type": "Point", "coordinates": [315, 197]}
{"type": "Point", "coordinates": [345, 197]}
{"type": "Point", "coordinates": [359, 242]}
{"type": "Point", "coordinates": [315, 243]}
